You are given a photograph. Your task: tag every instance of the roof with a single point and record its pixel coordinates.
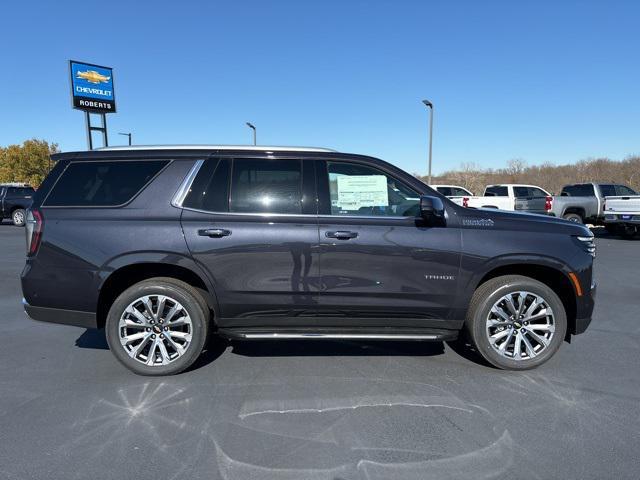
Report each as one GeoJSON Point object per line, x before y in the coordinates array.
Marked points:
{"type": "Point", "coordinates": [261, 148]}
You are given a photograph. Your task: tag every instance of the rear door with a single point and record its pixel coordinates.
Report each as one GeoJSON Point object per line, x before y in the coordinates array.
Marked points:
{"type": "Point", "coordinates": [530, 199]}
{"type": "Point", "coordinates": [2, 192]}
{"type": "Point", "coordinates": [251, 223]}
{"type": "Point", "coordinates": [380, 265]}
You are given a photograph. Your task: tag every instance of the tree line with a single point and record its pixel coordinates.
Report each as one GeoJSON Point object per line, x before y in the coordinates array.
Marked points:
{"type": "Point", "coordinates": [30, 163]}
{"type": "Point", "coordinates": [27, 163]}
{"type": "Point", "coordinates": [548, 176]}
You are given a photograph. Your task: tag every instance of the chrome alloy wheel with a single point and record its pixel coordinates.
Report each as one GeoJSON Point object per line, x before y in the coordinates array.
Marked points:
{"type": "Point", "coordinates": [155, 330]}
{"type": "Point", "coordinates": [18, 217]}
{"type": "Point", "coordinates": [520, 325]}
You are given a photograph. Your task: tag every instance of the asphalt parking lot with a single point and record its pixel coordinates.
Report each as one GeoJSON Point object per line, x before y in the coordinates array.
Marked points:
{"type": "Point", "coordinates": [322, 410]}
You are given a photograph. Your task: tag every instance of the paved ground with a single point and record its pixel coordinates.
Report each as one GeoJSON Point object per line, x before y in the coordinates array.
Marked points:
{"type": "Point", "coordinates": [322, 410]}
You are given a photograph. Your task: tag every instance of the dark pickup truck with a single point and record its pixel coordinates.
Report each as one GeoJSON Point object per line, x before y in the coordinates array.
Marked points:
{"type": "Point", "coordinates": [14, 201]}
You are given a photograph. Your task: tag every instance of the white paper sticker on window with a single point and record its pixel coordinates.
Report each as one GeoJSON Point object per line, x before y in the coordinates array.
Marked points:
{"type": "Point", "coordinates": [357, 191]}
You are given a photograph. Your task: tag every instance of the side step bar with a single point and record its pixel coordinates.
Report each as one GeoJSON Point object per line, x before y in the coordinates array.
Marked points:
{"type": "Point", "coordinates": [262, 334]}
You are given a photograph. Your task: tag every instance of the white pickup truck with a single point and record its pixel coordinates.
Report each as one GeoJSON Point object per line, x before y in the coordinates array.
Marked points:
{"type": "Point", "coordinates": [452, 191]}
{"type": "Point", "coordinates": [622, 214]}
{"type": "Point", "coordinates": [510, 196]}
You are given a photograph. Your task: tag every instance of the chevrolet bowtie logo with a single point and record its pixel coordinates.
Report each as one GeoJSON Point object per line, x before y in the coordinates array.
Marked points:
{"type": "Point", "coordinates": [92, 76]}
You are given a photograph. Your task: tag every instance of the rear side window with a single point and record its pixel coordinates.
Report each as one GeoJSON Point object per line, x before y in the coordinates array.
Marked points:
{"type": "Point", "coordinates": [608, 190]}
{"type": "Point", "coordinates": [584, 190]}
{"type": "Point", "coordinates": [496, 192]}
{"type": "Point", "coordinates": [20, 191]}
{"type": "Point", "coordinates": [446, 191]}
{"type": "Point", "coordinates": [459, 192]}
{"type": "Point", "coordinates": [103, 183]}
{"type": "Point", "coordinates": [266, 186]}
{"type": "Point", "coordinates": [520, 192]}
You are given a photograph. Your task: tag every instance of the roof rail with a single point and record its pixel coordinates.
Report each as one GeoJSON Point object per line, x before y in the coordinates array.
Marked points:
{"type": "Point", "coordinates": [261, 148]}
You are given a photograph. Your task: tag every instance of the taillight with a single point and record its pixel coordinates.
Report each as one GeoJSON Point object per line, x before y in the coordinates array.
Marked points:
{"type": "Point", "coordinates": [465, 202]}
{"type": "Point", "coordinates": [34, 227]}
{"type": "Point", "coordinates": [548, 201]}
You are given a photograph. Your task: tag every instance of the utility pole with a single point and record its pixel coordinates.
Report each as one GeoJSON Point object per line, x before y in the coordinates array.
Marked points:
{"type": "Point", "coordinates": [429, 105]}
{"type": "Point", "coordinates": [252, 127]}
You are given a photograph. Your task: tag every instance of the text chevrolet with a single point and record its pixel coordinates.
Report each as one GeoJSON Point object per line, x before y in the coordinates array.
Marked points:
{"type": "Point", "coordinates": [162, 246]}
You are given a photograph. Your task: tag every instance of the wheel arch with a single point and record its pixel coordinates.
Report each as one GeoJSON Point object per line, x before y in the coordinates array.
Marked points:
{"type": "Point", "coordinates": [119, 279]}
{"type": "Point", "coordinates": [555, 277]}
{"type": "Point", "coordinates": [577, 210]}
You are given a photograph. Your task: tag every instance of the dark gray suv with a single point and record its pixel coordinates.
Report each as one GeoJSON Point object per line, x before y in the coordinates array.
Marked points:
{"type": "Point", "coordinates": [163, 246]}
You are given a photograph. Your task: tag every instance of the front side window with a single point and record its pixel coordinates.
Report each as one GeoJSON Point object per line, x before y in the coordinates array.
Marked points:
{"type": "Point", "coordinates": [364, 191]}
{"type": "Point", "coordinates": [446, 191]}
{"type": "Point", "coordinates": [266, 186]}
{"type": "Point", "coordinates": [102, 183]}
{"type": "Point", "coordinates": [624, 190]}
{"type": "Point", "coordinates": [497, 191]}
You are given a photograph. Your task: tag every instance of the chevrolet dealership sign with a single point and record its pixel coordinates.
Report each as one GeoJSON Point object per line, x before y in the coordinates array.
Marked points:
{"type": "Point", "coordinates": [92, 87]}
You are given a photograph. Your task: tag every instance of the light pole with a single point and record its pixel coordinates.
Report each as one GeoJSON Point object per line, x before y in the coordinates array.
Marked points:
{"type": "Point", "coordinates": [252, 127]}
{"type": "Point", "coordinates": [127, 135]}
{"type": "Point", "coordinates": [429, 105]}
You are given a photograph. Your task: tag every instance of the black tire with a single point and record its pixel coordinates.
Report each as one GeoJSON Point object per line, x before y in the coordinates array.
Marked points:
{"type": "Point", "coordinates": [610, 228]}
{"type": "Point", "coordinates": [573, 217]}
{"type": "Point", "coordinates": [182, 292]}
{"type": "Point", "coordinates": [18, 217]}
{"type": "Point", "coordinates": [483, 300]}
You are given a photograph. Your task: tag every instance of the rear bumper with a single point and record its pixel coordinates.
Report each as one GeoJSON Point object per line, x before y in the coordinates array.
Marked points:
{"type": "Point", "coordinates": [58, 315]}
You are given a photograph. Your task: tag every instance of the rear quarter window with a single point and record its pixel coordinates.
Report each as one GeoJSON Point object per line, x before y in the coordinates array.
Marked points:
{"type": "Point", "coordinates": [102, 183]}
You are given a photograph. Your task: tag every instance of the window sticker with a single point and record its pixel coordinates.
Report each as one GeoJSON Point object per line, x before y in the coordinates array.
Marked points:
{"type": "Point", "coordinates": [357, 191]}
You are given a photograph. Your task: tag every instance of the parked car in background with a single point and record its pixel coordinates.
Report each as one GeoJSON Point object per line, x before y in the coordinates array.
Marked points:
{"type": "Point", "coordinates": [510, 196]}
{"type": "Point", "coordinates": [161, 245]}
{"type": "Point", "coordinates": [15, 199]}
{"type": "Point", "coordinates": [452, 191]}
{"type": "Point", "coordinates": [584, 202]}
{"type": "Point", "coordinates": [622, 215]}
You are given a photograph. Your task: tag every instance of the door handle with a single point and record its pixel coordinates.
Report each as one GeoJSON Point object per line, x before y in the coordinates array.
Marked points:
{"type": "Point", "coordinates": [341, 235]}
{"type": "Point", "coordinates": [214, 232]}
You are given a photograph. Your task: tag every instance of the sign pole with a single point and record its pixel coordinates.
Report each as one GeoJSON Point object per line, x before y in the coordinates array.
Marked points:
{"type": "Point", "coordinates": [88, 122]}
{"type": "Point", "coordinates": [104, 129]}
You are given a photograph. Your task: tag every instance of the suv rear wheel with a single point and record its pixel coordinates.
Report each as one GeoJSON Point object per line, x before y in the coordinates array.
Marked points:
{"type": "Point", "coordinates": [516, 322]}
{"type": "Point", "coordinates": [18, 217]}
{"type": "Point", "coordinates": [158, 326]}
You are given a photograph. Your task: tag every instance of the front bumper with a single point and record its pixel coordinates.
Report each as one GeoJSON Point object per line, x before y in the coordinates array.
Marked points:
{"type": "Point", "coordinates": [585, 310]}
{"type": "Point", "coordinates": [58, 315]}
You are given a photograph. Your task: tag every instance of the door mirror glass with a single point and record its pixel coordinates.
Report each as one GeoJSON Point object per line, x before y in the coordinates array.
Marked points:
{"type": "Point", "coordinates": [432, 209]}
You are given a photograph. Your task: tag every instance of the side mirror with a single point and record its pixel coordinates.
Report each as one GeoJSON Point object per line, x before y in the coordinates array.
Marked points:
{"type": "Point", "coordinates": [432, 209]}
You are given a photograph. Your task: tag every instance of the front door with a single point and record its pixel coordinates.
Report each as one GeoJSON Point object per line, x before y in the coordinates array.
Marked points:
{"type": "Point", "coordinates": [380, 264]}
{"type": "Point", "coordinates": [252, 225]}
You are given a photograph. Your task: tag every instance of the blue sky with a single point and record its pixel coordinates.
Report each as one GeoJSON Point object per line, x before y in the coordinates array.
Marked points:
{"type": "Point", "coordinates": [543, 81]}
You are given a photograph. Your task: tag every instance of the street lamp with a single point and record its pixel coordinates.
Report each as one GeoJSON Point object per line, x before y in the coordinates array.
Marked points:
{"type": "Point", "coordinates": [250, 125]}
{"type": "Point", "coordinates": [429, 105]}
{"type": "Point", "coordinates": [127, 135]}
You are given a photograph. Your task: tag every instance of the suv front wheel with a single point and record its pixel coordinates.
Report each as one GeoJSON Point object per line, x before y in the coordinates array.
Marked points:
{"type": "Point", "coordinates": [158, 326]}
{"type": "Point", "coordinates": [516, 322]}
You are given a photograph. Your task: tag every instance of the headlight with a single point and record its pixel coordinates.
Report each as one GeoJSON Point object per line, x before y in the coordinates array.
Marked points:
{"type": "Point", "coordinates": [588, 244]}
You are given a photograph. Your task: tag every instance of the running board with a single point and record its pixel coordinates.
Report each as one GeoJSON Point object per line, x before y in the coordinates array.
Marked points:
{"type": "Point", "coordinates": [432, 335]}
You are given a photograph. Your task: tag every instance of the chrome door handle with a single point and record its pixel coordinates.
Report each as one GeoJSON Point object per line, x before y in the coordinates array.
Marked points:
{"type": "Point", "coordinates": [341, 235]}
{"type": "Point", "coordinates": [214, 232]}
